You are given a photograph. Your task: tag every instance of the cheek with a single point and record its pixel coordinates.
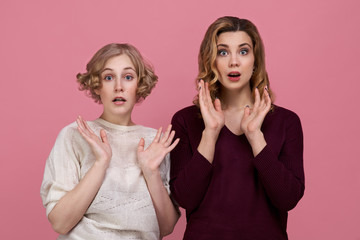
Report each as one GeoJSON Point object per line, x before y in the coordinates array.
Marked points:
{"type": "Point", "coordinates": [219, 65]}
{"type": "Point", "coordinates": [132, 90]}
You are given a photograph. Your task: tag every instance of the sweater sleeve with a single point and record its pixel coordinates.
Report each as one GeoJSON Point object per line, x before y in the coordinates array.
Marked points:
{"type": "Point", "coordinates": [283, 175]}
{"type": "Point", "coordinates": [190, 171]}
{"type": "Point", "coordinates": [165, 172]}
{"type": "Point", "coordinates": [62, 170]}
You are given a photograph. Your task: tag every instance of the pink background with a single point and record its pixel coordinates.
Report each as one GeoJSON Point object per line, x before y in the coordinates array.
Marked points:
{"type": "Point", "coordinates": [312, 57]}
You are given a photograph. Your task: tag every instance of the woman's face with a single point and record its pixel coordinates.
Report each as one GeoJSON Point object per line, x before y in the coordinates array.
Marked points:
{"type": "Point", "coordinates": [118, 92]}
{"type": "Point", "coordinates": [235, 60]}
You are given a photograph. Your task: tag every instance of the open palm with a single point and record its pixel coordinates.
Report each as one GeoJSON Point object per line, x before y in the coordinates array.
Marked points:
{"type": "Point", "coordinates": [253, 118]}
{"type": "Point", "coordinates": [151, 157]}
{"type": "Point", "coordinates": [99, 145]}
{"type": "Point", "coordinates": [213, 116]}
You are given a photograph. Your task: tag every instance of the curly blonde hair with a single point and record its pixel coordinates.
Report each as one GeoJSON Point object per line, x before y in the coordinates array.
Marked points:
{"type": "Point", "coordinates": [90, 81]}
{"type": "Point", "coordinates": [208, 52]}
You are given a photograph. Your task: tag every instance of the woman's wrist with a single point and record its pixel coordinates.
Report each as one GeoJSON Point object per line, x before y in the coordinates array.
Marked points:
{"type": "Point", "coordinates": [255, 136]}
{"type": "Point", "coordinates": [257, 141]}
{"type": "Point", "coordinates": [101, 165]}
{"type": "Point", "coordinates": [151, 175]}
{"type": "Point", "coordinates": [210, 134]}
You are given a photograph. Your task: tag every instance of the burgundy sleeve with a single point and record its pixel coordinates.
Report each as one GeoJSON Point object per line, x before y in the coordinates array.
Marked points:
{"type": "Point", "coordinates": [283, 175]}
{"type": "Point", "coordinates": [190, 172]}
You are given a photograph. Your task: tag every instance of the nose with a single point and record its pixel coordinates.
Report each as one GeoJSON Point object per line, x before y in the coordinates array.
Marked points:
{"type": "Point", "coordinates": [118, 86]}
{"type": "Point", "coordinates": [234, 61]}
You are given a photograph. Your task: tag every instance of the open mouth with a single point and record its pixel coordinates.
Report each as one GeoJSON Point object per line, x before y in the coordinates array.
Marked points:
{"type": "Point", "coordinates": [119, 99]}
{"type": "Point", "coordinates": [234, 75]}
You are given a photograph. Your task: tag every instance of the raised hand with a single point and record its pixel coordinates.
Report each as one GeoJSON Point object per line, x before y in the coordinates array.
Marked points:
{"type": "Point", "coordinates": [253, 119]}
{"type": "Point", "coordinates": [151, 158]}
{"type": "Point", "coordinates": [99, 145]}
{"type": "Point", "coordinates": [212, 113]}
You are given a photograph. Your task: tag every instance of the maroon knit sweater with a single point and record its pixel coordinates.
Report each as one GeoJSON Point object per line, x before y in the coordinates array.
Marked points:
{"type": "Point", "coordinates": [238, 196]}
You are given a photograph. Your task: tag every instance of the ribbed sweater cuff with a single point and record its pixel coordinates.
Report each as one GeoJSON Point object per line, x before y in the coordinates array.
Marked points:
{"type": "Point", "coordinates": [264, 160]}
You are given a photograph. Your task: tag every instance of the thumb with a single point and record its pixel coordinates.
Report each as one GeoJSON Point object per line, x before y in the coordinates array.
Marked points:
{"type": "Point", "coordinates": [103, 136]}
{"type": "Point", "coordinates": [141, 145]}
{"type": "Point", "coordinates": [217, 105]}
{"type": "Point", "coordinates": [246, 111]}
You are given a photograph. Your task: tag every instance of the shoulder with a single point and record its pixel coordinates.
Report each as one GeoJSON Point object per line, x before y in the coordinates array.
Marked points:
{"type": "Point", "coordinates": [71, 129]}
{"type": "Point", "coordinates": [284, 120]}
{"type": "Point", "coordinates": [71, 135]}
{"type": "Point", "coordinates": [190, 110]}
{"type": "Point", "coordinates": [281, 113]}
{"type": "Point", "coordinates": [188, 122]}
{"type": "Point", "coordinates": [189, 113]}
{"type": "Point", "coordinates": [67, 140]}
{"type": "Point", "coordinates": [68, 131]}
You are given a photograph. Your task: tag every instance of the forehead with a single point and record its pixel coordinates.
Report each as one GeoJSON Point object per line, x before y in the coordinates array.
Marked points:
{"type": "Point", "coordinates": [119, 62]}
{"type": "Point", "coordinates": [234, 38]}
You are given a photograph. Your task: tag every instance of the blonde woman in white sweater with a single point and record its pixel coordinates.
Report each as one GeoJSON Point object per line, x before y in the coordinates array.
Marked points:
{"type": "Point", "coordinates": [108, 178]}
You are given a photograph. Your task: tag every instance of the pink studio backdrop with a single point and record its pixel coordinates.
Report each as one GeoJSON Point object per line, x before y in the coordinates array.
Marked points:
{"type": "Point", "coordinates": [312, 56]}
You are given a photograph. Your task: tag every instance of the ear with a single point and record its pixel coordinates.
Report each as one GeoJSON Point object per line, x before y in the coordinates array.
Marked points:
{"type": "Point", "coordinates": [97, 91]}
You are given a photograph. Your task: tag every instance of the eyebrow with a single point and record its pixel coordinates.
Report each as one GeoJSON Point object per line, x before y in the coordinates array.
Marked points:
{"type": "Point", "coordinates": [110, 69]}
{"type": "Point", "coordinates": [241, 45]}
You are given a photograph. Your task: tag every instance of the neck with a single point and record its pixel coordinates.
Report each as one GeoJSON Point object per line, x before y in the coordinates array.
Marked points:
{"type": "Point", "coordinates": [119, 120]}
{"type": "Point", "coordinates": [236, 99]}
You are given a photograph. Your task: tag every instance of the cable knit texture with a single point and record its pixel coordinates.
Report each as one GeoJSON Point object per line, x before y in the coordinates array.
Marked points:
{"type": "Point", "coordinates": [238, 196]}
{"type": "Point", "coordinates": [122, 208]}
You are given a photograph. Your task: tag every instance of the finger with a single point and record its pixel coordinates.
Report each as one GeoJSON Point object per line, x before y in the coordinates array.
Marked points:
{"type": "Point", "coordinates": [247, 112]}
{"type": "Point", "coordinates": [262, 102]}
{"type": "Point", "coordinates": [141, 145]}
{"type": "Point", "coordinates": [79, 122]}
{"type": "Point", "coordinates": [158, 134]}
{"type": "Point", "coordinates": [81, 131]}
{"type": "Point", "coordinates": [202, 92]}
{"type": "Point", "coordinates": [267, 100]}
{"type": "Point", "coordinates": [165, 137]}
{"type": "Point", "coordinates": [169, 140]}
{"type": "Point", "coordinates": [172, 146]}
{"type": "Point", "coordinates": [201, 97]}
{"type": "Point", "coordinates": [81, 128]}
{"type": "Point", "coordinates": [199, 85]}
{"type": "Point", "coordinates": [103, 136]}
{"type": "Point", "coordinates": [217, 105]}
{"type": "Point", "coordinates": [257, 99]}
{"type": "Point", "coordinates": [85, 135]}
{"type": "Point", "coordinates": [208, 96]}
{"type": "Point", "coordinates": [87, 127]}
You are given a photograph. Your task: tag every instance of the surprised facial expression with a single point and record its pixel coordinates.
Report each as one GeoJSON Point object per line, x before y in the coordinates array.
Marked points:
{"type": "Point", "coordinates": [235, 59]}
{"type": "Point", "coordinates": [119, 84]}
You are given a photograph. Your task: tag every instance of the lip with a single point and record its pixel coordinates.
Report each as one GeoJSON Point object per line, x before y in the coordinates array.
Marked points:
{"type": "Point", "coordinates": [119, 102]}
{"type": "Point", "coordinates": [234, 76]}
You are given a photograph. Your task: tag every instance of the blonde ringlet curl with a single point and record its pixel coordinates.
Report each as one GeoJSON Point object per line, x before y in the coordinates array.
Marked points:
{"type": "Point", "coordinates": [91, 79]}
{"type": "Point", "coordinates": [208, 53]}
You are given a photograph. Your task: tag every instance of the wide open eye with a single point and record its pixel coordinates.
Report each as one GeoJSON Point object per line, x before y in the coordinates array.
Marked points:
{"type": "Point", "coordinates": [129, 77]}
{"type": "Point", "coordinates": [108, 77]}
{"type": "Point", "coordinates": [222, 52]}
{"type": "Point", "coordinates": [244, 51]}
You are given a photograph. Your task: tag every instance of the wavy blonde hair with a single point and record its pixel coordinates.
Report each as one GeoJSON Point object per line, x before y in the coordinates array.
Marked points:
{"type": "Point", "coordinates": [208, 53]}
{"type": "Point", "coordinates": [91, 80]}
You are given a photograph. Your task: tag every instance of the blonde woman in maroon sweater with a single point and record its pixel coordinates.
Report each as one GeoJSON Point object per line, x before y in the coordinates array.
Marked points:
{"type": "Point", "coordinates": [238, 168]}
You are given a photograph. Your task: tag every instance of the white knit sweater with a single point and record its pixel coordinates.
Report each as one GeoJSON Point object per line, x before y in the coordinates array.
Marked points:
{"type": "Point", "coordinates": [122, 208]}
